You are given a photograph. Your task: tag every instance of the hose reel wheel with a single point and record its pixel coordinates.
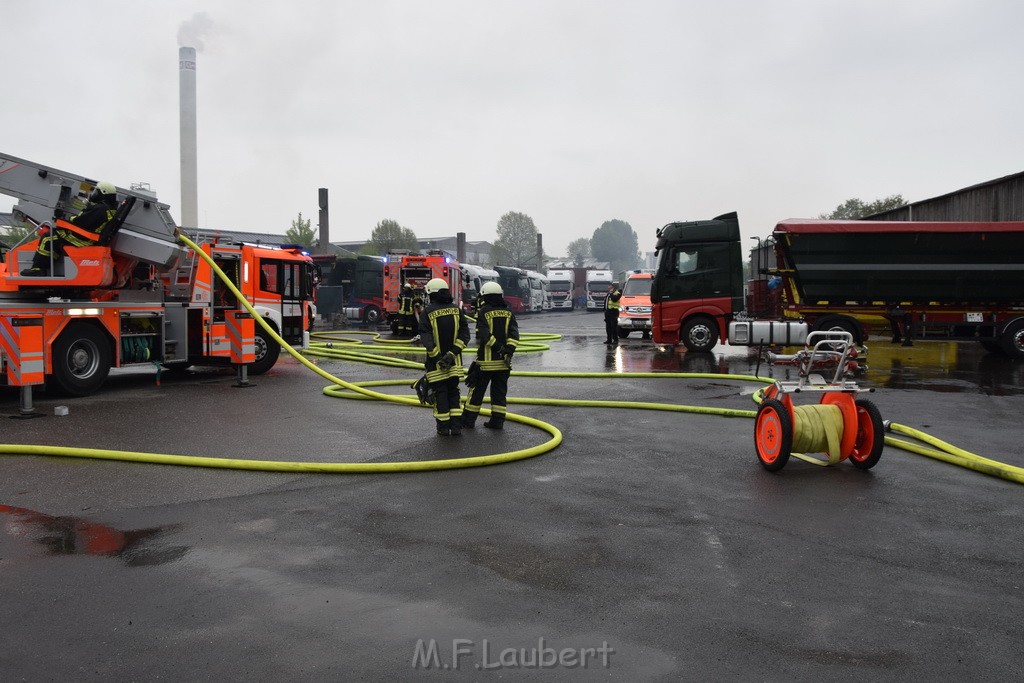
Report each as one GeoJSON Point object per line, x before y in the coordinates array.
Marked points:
{"type": "Point", "coordinates": [773, 434]}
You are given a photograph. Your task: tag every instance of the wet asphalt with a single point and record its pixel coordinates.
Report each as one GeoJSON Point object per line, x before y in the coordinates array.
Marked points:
{"type": "Point", "coordinates": [648, 546]}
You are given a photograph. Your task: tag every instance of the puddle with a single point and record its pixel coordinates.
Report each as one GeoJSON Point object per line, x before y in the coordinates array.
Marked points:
{"type": "Point", "coordinates": [80, 536]}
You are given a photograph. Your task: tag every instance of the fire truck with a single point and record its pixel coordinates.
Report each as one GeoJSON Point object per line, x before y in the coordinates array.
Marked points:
{"type": "Point", "coordinates": [402, 267]}
{"type": "Point", "coordinates": [137, 296]}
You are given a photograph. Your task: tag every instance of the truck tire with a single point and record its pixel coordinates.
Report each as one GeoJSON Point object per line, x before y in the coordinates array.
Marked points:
{"type": "Point", "coordinates": [267, 351]}
{"type": "Point", "coordinates": [841, 323]}
{"type": "Point", "coordinates": [81, 360]}
{"type": "Point", "coordinates": [1012, 340]}
{"type": "Point", "coordinates": [699, 334]}
{"type": "Point", "coordinates": [623, 332]}
{"type": "Point", "coordinates": [372, 315]}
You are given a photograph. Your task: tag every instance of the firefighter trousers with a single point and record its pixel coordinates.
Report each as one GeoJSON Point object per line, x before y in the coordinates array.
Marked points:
{"type": "Point", "coordinates": [498, 382]}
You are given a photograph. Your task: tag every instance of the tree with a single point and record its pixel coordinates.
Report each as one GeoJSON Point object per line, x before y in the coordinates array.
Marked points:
{"type": "Point", "coordinates": [517, 242]}
{"type": "Point", "coordinates": [616, 242]}
{"type": "Point", "coordinates": [854, 208]}
{"type": "Point", "coordinates": [579, 251]}
{"type": "Point", "coordinates": [388, 236]}
{"type": "Point", "coordinates": [300, 232]}
{"type": "Point", "coordinates": [16, 232]}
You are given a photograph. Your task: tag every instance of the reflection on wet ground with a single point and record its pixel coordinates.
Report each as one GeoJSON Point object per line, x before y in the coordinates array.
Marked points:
{"type": "Point", "coordinates": [79, 536]}
{"type": "Point", "coordinates": [947, 367]}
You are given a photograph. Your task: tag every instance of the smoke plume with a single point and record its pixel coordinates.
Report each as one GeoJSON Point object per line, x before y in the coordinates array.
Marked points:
{"type": "Point", "coordinates": [192, 31]}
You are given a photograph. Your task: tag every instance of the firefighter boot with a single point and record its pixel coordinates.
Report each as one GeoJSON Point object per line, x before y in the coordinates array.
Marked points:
{"type": "Point", "coordinates": [40, 266]}
{"type": "Point", "coordinates": [496, 422]}
{"type": "Point", "coordinates": [443, 428]}
{"type": "Point", "coordinates": [469, 420]}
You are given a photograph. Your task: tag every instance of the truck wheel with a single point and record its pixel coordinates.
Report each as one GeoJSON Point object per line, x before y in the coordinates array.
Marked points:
{"type": "Point", "coordinates": [372, 315]}
{"type": "Point", "coordinates": [1012, 340]}
{"type": "Point", "coordinates": [773, 434]}
{"type": "Point", "coordinates": [623, 333]}
{"type": "Point", "coordinates": [867, 447]}
{"type": "Point", "coordinates": [838, 323]}
{"type": "Point", "coordinates": [700, 334]}
{"type": "Point", "coordinates": [81, 360]}
{"type": "Point", "coordinates": [267, 351]}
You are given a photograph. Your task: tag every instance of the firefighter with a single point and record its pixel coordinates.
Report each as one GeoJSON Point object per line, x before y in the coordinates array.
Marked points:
{"type": "Point", "coordinates": [444, 333]}
{"type": "Point", "coordinates": [98, 213]}
{"type": "Point", "coordinates": [497, 336]}
{"type": "Point", "coordinates": [406, 312]}
{"type": "Point", "coordinates": [611, 314]}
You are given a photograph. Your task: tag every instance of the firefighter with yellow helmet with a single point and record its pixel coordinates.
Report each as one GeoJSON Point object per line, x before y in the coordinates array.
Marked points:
{"type": "Point", "coordinates": [86, 229]}
{"type": "Point", "coordinates": [497, 336]}
{"type": "Point", "coordinates": [444, 333]}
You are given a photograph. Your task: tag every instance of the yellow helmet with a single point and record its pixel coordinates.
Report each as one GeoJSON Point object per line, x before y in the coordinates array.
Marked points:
{"type": "Point", "coordinates": [435, 286]}
{"type": "Point", "coordinates": [491, 288]}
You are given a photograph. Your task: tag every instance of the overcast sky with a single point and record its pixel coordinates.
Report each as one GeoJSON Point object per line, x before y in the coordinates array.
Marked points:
{"type": "Point", "coordinates": [444, 115]}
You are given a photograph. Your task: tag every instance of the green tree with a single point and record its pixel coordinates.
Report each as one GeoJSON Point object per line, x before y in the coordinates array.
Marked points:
{"type": "Point", "coordinates": [300, 232]}
{"type": "Point", "coordinates": [388, 235]}
{"type": "Point", "coordinates": [517, 242]}
{"type": "Point", "coordinates": [616, 242]}
{"type": "Point", "coordinates": [579, 251]}
{"type": "Point", "coordinates": [854, 208]}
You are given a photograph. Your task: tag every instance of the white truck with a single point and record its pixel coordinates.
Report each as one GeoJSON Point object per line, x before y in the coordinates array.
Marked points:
{"type": "Point", "coordinates": [561, 284]}
{"type": "Point", "coordinates": [598, 282]}
{"type": "Point", "coordinates": [473, 278]}
{"type": "Point", "coordinates": [538, 290]}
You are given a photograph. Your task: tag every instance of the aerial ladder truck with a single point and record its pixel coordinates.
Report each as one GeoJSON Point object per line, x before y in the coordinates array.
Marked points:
{"type": "Point", "coordinates": [137, 296]}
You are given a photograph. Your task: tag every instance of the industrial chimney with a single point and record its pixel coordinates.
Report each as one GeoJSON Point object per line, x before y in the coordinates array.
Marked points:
{"type": "Point", "coordinates": [187, 104]}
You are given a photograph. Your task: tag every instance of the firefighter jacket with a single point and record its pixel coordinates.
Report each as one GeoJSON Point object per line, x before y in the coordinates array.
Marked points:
{"type": "Point", "coordinates": [443, 328]}
{"type": "Point", "coordinates": [496, 329]}
{"type": "Point", "coordinates": [93, 220]}
{"type": "Point", "coordinates": [405, 305]}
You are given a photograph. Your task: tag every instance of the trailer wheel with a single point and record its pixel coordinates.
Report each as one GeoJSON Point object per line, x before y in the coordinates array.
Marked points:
{"type": "Point", "coordinates": [838, 323]}
{"type": "Point", "coordinates": [267, 351]}
{"type": "Point", "coordinates": [700, 334]}
{"type": "Point", "coordinates": [81, 360]}
{"type": "Point", "coordinates": [1012, 340]}
{"type": "Point", "coordinates": [867, 447]}
{"type": "Point", "coordinates": [773, 434]}
{"type": "Point", "coordinates": [372, 315]}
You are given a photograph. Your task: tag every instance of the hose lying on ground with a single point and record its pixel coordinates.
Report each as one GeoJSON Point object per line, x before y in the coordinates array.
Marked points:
{"type": "Point", "coordinates": [531, 343]}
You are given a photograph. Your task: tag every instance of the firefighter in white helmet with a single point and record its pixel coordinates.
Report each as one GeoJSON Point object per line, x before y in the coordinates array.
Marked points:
{"type": "Point", "coordinates": [87, 228]}
{"type": "Point", "coordinates": [444, 333]}
{"type": "Point", "coordinates": [497, 336]}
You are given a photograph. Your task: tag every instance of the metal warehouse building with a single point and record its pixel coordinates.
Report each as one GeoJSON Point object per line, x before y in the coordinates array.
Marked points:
{"type": "Point", "coordinates": [996, 200]}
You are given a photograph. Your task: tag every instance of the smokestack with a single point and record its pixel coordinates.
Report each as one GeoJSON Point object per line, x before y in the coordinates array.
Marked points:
{"type": "Point", "coordinates": [540, 252]}
{"type": "Point", "coordinates": [325, 231]}
{"type": "Point", "coordinates": [187, 137]}
{"type": "Point", "coordinates": [460, 247]}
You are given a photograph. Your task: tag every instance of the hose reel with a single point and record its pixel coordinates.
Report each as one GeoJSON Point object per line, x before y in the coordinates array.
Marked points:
{"type": "Point", "coordinates": [840, 425]}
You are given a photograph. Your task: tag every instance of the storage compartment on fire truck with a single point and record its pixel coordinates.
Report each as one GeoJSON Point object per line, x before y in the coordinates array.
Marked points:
{"type": "Point", "coordinates": [142, 336]}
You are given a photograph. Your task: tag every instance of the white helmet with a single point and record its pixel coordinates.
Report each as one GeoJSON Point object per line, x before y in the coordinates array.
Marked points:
{"type": "Point", "coordinates": [435, 286]}
{"type": "Point", "coordinates": [106, 187]}
{"type": "Point", "coordinates": [491, 288]}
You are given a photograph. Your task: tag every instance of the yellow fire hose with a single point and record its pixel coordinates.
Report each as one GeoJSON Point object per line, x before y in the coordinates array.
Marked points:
{"type": "Point", "coordinates": [820, 432]}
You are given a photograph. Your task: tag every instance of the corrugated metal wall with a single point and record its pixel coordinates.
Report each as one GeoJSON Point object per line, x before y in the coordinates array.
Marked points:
{"type": "Point", "coordinates": [996, 200]}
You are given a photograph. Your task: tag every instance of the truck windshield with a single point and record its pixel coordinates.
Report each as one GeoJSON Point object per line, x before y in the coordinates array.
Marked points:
{"type": "Point", "coordinates": [558, 287]}
{"type": "Point", "coordinates": [600, 287]}
{"type": "Point", "coordinates": [640, 286]}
